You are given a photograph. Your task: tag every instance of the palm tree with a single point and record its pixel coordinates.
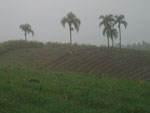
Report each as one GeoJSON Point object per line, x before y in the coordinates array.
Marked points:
{"type": "Point", "coordinates": [120, 20]}
{"type": "Point", "coordinates": [111, 32]}
{"type": "Point", "coordinates": [73, 22]}
{"type": "Point", "coordinates": [113, 35]}
{"type": "Point", "coordinates": [26, 28]}
{"type": "Point", "coordinates": [107, 22]}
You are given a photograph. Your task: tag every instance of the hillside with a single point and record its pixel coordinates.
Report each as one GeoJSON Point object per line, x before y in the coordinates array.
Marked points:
{"type": "Point", "coordinates": [49, 78]}
{"type": "Point", "coordinates": [131, 64]}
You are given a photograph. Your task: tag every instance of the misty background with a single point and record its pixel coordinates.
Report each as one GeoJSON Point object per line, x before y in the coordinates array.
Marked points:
{"type": "Point", "coordinates": [45, 15]}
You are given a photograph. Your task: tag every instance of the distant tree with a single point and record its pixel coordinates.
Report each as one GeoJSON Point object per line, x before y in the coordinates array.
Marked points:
{"type": "Point", "coordinates": [73, 22]}
{"type": "Point", "coordinates": [111, 33]}
{"type": "Point", "coordinates": [108, 22]}
{"type": "Point", "coordinates": [120, 20]}
{"type": "Point", "coordinates": [26, 28]}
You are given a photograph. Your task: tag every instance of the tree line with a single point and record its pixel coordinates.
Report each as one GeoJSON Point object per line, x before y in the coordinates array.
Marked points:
{"type": "Point", "coordinates": [138, 46]}
{"type": "Point", "coordinates": [108, 22]}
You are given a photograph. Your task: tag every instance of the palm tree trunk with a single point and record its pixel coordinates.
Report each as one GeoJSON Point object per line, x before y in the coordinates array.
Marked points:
{"type": "Point", "coordinates": [120, 37]}
{"type": "Point", "coordinates": [112, 42]}
{"type": "Point", "coordinates": [70, 35]}
{"type": "Point", "coordinates": [108, 41]}
{"type": "Point", "coordinates": [25, 34]}
{"type": "Point", "coordinates": [70, 38]}
{"type": "Point", "coordinates": [108, 45]}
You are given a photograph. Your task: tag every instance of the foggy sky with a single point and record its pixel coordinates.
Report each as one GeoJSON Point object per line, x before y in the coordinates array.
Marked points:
{"type": "Point", "coordinates": [44, 16]}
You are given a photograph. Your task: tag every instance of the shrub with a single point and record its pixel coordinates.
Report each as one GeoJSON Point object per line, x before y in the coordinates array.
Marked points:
{"type": "Point", "coordinates": [19, 44]}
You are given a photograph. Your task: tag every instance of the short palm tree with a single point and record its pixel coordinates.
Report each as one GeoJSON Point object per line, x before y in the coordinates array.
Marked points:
{"type": "Point", "coordinates": [26, 28]}
{"type": "Point", "coordinates": [73, 22]}
{"type": "Point", "coordinates": [111, 32]}
{"type": "Point", "coordinates": [113, 35]}
{"type": "Point", "coordinates": [107, 22]}
{"type": "Point", "coordinates": [120, 20]}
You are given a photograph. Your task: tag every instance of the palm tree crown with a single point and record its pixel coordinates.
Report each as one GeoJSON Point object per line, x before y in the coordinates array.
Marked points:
{"type": "Point", "coordinates": [120, 20]}
{"type": "Point", "coordinates": [26, 28]}
{"type": "Point", "coordinates": [106, 20]}
{"type": "Point", "coordinates": [73, 22]}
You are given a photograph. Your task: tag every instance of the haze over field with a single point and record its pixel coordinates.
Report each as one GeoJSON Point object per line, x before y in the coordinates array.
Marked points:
{"type": "Point", "coordinates": [45, 16]}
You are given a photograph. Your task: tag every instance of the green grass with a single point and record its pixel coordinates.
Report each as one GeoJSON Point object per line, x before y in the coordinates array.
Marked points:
{"type": "Point", "coordinates": [70, 93]}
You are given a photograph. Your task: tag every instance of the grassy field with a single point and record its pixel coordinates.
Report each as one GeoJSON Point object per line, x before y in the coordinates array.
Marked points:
{"type": "Point", "coordinates": [86, 80]}
{"type": "Point", "coordinates": [69, 93]}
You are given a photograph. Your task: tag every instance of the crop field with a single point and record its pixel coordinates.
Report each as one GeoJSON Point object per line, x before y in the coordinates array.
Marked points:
{"type": "Point", "coordinates": [128, 64]}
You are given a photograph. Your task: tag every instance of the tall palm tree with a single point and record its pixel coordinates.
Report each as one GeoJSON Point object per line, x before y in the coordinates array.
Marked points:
{"type": "Point", "coordinates": [26, 28]}
{"type": "Point", "coordinates": [73, 22]}
{"type": "Point", "coordinates": [107, 21]}
{"type": "Point", "coordinates": [120, 20]}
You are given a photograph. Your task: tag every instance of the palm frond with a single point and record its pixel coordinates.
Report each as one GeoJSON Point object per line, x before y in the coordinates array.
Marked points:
{"type": "Point", "coordinates": [122, 17]}
{"type": "Point", "coordinates": [115, 33]}
{"type": "Point", "coordinates": [124, 23]}
{"type": "Point", "coordinates": [28, 26]}
{"type": "Point", "coordinates": [76, 25]}
{"type": "Point", "coordinates": [101, 23]}
{"type": "Point", "coordinates": [32, 32]}
{"type": "Point", "coordinates": [105, 30]}
{"type": "Point", "coordinates": [77, 21]}
{"type": "Point", "coordinates": [102, 17]}
{"type": "Point", "coordinates": [64, 21]}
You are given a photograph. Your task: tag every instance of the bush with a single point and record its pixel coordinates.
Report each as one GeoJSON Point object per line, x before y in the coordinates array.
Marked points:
{"type": "Point", "coordinates": [19, 44]}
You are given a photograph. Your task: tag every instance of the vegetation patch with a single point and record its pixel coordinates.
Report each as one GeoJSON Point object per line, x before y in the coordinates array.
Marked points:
{"type": "Point", "coordinates": [69, 93]}
{"type": "Point", "coordinates": [19, 44]}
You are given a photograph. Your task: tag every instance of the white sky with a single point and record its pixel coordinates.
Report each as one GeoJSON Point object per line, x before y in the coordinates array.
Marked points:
{"type": "Point", "coordinates": [44, 16]}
